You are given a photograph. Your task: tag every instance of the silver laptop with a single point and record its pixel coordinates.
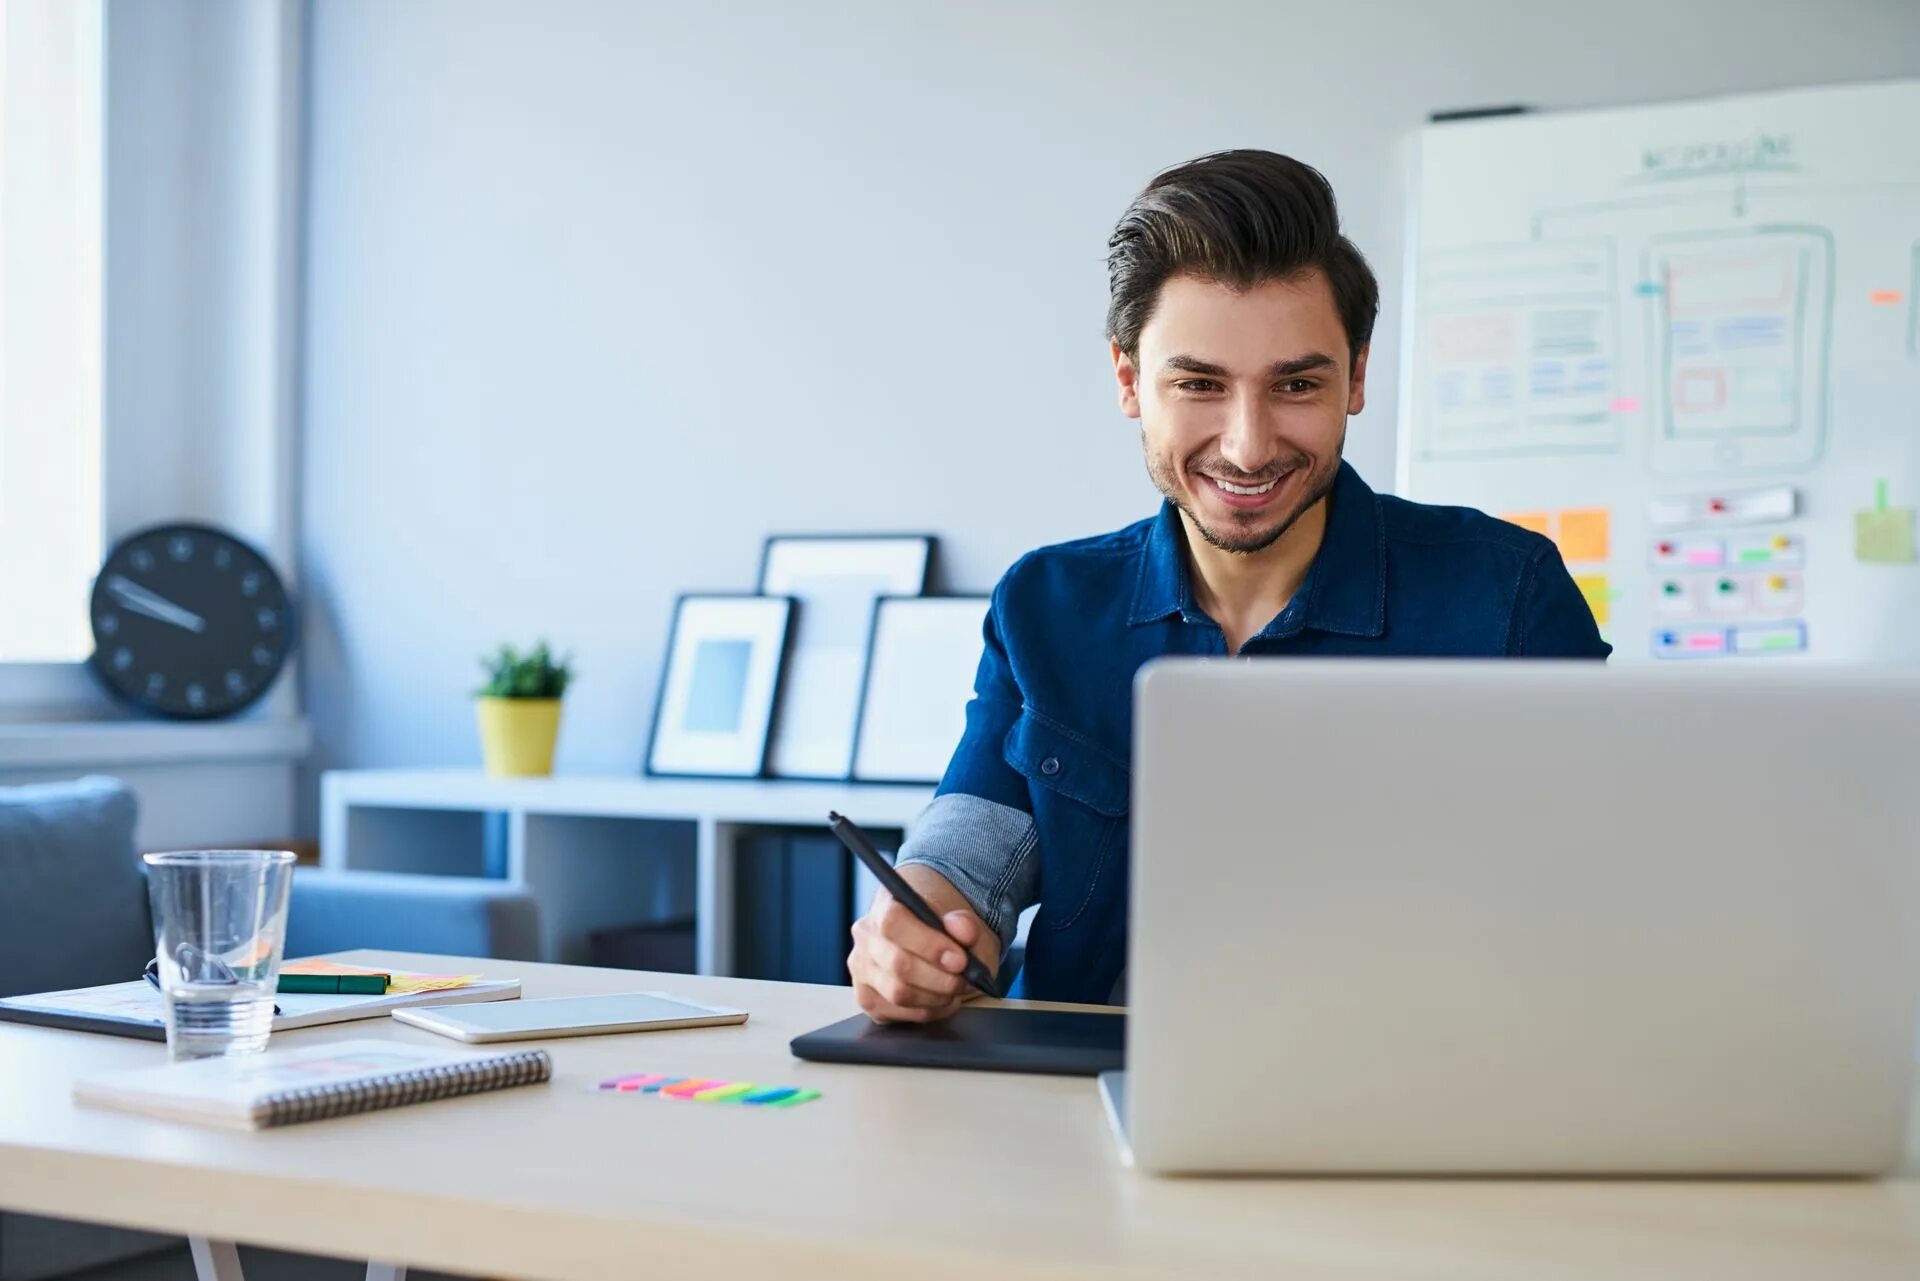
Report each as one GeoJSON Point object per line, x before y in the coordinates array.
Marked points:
{"type": "Point", "coordinates": [1475, 917]}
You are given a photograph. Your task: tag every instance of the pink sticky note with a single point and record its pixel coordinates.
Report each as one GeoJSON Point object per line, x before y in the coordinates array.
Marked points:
{"type": "Point", "coordinates": [687, 1089]}
{"type": "Point", "coordinates": [639, 1082]}
{"type": "Point", "coordinates": [1625, 404]}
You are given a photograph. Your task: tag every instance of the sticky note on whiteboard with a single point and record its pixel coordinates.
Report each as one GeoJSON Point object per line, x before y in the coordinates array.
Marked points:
{"type": "Point", "coordinates": [1689, 642]}
{"type": "Point", "coordinates": [1594, 588]}
{"type": "Point", "coordinates": [1883, 535]}
{"type": "Point", "coordinates": [1583, 534]}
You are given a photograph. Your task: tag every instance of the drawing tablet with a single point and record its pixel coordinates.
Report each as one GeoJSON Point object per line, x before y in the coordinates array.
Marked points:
{"type": "Point", "coordinates": [569, 1016]}
{"type": "Point", "coordinates": [1060, 1042]}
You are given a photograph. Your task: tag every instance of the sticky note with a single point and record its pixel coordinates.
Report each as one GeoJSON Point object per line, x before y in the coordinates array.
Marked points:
{"type": "Point", "coordinates": [795, 1099]}
{"type": "Point", "coordinates": [722, 1093]}
{"type": "Point", "coordinates": [1536, 521]}
{"type": "Point", "coordinates": [1583, 534]}
{"type": "Point", "coordinates": [1883, 535]}
{"type": "Point", "coordinates": [772, 1094]}
{"type": "Point", "coordinates": [1594, 588]}
{"type": "Point", "coordinates": [689, 1088]}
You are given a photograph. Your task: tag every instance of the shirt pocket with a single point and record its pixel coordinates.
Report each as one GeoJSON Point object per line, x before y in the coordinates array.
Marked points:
{"type": "Point", "coordinates": [1080, 796]}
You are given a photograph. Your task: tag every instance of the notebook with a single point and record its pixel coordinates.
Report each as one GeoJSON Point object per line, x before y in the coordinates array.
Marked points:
{"type": "Point", "coordinates": [135, 1009]}
{"type": "Point", "coordinates": [309, 1082]}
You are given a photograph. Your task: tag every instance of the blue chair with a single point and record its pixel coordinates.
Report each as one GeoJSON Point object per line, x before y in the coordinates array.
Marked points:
{"type": "Point", "coordinates": [74, 913]}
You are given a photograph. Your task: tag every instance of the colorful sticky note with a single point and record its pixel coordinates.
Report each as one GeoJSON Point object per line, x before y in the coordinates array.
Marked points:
{"type": "Point", "coordinates": [1594, 588]}
{"type": "Point", "coordinates": [1883, 535]}
{"type": "Point", "coordinates": [686, 1089]}
{"type": "Point", "coordinates": [1538, 522]}
{"type": "Point", "coordinates": [795, 1099]}
{"type": "Point", "coordinates": [1584, 533]}
{"type": "Point", "coordinates": [720, 1094]}
{"type": "Point", "coordinates": [772, 1094]}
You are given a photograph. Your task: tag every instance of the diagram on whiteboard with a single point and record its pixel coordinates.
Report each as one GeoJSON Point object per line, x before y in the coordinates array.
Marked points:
{"type": "Point", "coordinates": [1521, 342]}
{"type": "Point", "coordinates": [1739, 339]}
{"type": "Point", "coordinates": [1697, 326]}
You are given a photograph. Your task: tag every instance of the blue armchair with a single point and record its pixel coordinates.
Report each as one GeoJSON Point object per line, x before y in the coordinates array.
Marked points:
{"type": "Point", "coordinates": [73, 913]}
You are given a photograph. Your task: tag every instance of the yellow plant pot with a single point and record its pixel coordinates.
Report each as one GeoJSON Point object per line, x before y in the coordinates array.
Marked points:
{"type": "Point", "coordinates": [517, 735]}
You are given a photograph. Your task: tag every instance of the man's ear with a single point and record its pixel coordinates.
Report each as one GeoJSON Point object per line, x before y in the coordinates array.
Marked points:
{"type": "Point", "coordinates": [1357, 384]}
{"type": "Point", "coordinates": [1128, 378]}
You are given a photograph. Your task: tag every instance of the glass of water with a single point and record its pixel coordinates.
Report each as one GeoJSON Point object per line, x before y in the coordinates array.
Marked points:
{"type": "Point", "coordinates": [219, 924]}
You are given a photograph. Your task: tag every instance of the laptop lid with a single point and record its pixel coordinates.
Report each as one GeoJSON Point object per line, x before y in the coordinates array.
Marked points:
{"type": "Point", "coordinates": [1522, 917]}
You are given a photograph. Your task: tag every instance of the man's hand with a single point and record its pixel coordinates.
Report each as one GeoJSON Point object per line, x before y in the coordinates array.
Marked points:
{"type": "Point", "coordinates": [907, 972]}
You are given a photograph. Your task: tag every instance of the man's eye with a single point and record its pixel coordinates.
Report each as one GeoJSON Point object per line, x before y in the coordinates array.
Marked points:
{"type": "Point", "coordinates": [1197, 384]}
{"type": "Point", "coordinates": [1298, 386]}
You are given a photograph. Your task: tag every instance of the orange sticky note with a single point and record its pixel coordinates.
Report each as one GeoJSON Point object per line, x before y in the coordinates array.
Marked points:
{"type": "Point", "coordinates": [1594, 588]}
{"type": "Point", "coordinates": [1583, 534]}
{"type": "Point", "coordinates": [1536, 521]}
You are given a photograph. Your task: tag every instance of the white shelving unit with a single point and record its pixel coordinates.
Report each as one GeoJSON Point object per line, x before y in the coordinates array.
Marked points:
{"type": "Point", "coordinates": [593, 850]}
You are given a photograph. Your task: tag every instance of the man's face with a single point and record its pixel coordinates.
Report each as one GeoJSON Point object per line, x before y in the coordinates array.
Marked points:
{"type": "Point", "coordinates": [1243, 398]}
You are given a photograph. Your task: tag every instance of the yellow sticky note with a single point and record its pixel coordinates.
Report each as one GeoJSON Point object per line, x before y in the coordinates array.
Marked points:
{"type": "Point", "coordinates": [1594, 588]}
{"type": "Point", "coordinates": [1883, 535]}
{"type": "Point", "coordinates": [1536, 521]}
{"type": "Point", "coordinates": [1583, 534]}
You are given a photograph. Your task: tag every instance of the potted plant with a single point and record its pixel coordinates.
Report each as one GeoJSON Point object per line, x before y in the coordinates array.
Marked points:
{"type": "Point", "coordinates": [519, 710]}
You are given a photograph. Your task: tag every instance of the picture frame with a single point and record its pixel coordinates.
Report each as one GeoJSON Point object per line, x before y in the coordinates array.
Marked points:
{"type": "Point", "coordinates": [922, 658]}
{"type": "Point", "coordinates": [834, 579]}
{"type": "Point", "coordinates": [719, 685]}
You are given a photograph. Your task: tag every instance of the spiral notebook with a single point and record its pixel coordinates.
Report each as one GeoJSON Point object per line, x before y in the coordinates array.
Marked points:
{"type": "Point", "coordinates": [309, 1083]}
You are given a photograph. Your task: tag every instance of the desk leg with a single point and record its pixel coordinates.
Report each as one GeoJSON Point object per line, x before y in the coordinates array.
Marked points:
{"type": "Point", "coordinates": [220, 1261]}
{"type": "Point", "coordinates": [215, 1260]}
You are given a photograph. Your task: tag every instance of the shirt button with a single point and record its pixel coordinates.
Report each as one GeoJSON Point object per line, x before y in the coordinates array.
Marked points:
{"type": "Point", "coordinates": [1050, 766]}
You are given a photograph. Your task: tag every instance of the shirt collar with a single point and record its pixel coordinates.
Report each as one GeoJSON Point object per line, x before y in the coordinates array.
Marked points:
{"type": "Point", "coordinates": [1345, 591]}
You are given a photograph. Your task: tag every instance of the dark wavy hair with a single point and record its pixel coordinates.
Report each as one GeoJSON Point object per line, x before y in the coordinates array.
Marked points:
{"type": "Point", "coordinates": [1240, 218]}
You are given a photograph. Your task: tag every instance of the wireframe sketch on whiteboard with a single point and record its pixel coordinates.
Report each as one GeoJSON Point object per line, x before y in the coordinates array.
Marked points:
{"type": "Point", "coordinates": [1520, 345]}
{"type": "Point", "coordinates": [1740, 339]}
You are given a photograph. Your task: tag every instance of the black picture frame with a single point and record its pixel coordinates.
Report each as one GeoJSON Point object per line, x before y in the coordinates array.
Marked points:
{"type": "Point", "coordinates": [930, 544]}
{"type": "Point", "coordinates": [785, 643]}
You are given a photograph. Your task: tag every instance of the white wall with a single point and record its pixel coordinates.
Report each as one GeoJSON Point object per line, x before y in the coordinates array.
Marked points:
{"type": "Point", "coordinates": [202, 114]}
{"type": "Point", "coordinates": [600, 292]}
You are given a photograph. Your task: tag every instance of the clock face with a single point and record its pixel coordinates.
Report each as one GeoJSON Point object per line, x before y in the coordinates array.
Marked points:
{"type": "Point", "coordinates": [189, 622]}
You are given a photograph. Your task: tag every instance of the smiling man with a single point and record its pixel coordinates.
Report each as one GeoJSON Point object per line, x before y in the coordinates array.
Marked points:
{"type": "Point", "coordinates": [1239, 319]}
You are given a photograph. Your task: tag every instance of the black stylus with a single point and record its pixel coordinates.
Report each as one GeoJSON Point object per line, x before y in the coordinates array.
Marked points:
{"type": "Point", "coordinates": [856, 840]}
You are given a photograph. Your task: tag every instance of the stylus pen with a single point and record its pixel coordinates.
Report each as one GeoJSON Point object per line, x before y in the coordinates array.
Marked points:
{"type": "Point", "coordinates": [856, 840]}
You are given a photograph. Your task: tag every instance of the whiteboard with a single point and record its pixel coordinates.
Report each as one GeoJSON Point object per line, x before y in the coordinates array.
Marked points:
{"type": "Point", "coordinates": [1684, 341]}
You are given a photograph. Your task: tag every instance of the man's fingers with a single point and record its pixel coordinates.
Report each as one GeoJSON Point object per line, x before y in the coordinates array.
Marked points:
{"type": "Point", "coordinates": [890, 958]}
{"type": "Point", "coordinates": [904, 930]}
{"type": "Point", "coordinates": [964, 926]}
{"type": "Point", "coordinates": [881, 1010]}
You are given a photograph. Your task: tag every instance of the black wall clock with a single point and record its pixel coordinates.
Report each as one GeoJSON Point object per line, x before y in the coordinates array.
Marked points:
{"type": "Point", "coordinates": [188, 622]}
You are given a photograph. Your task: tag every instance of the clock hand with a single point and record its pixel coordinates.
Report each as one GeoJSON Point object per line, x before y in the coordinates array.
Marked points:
{"type": "Point", "coordinates": [142, 601]}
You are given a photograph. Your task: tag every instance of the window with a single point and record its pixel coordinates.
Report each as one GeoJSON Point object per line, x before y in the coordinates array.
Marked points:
{"type": "Point", "coordinates": [51, 161]}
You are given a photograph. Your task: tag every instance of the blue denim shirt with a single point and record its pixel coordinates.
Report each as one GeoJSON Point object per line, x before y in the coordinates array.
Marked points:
{"type": "Point", "coordinates": [1033, 807]}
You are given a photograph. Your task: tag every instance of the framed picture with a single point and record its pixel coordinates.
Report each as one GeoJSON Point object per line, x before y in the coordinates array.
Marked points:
{"type": "Point", "coordinates": [725, 655]}
{"type": "Point", "coordinates": [920, 670]}
{"type": "Point", "coordinates": [835, 578]}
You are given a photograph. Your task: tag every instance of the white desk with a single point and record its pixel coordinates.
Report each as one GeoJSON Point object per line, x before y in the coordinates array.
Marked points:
{"type": "Point", "coordinates": [892, 1174]}
{"type": "Point", "coordinates": [593, 850]}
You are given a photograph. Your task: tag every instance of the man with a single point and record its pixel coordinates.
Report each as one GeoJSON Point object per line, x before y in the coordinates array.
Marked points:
{"type": "Point", "coordinates": [1239, 320]}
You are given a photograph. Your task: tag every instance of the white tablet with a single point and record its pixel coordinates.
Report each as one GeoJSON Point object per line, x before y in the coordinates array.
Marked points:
{"type": "Point", "coordinates": [568, 1016]}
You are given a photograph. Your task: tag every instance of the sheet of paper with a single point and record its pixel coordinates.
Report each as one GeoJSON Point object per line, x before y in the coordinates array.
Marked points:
{"type": "Point", "coordinates": [1883, 535]}
{"type": "Point", "coordinates": [1584, 534]}
{"type": "Point", "coordinates": [1594, 588]}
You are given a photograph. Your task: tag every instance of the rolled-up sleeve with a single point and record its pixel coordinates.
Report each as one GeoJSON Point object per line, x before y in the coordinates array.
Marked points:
{"type": "Point", "coordinates": [979, 831]}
